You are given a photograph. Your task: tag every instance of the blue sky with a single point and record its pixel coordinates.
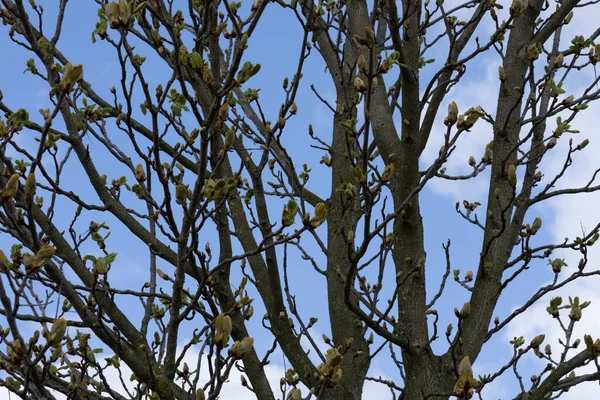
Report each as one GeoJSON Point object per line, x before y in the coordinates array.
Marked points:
{"type": "Point", "coordinates": [276, 45]}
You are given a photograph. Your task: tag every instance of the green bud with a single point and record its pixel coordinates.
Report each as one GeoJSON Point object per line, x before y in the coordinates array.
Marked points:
{"type": "Point", "coordinates": [295, 394]}
{"type": "Point", "coordinates": [30, 185]}
{"type": "Point", "coordinates": [45, 253]}
{"type": "Point", "coordinates": [501, 73]}
{"type": "Point", "coordinates": [140, 173]}
{"type": "Point", "coordinates": [57, 332]}
{"type": "Point", "coordinates": [466, 310]}
{"type": "Point", "coordinates": [11, 187]}
{"type": "Point", "coordinates": [511, 171]}
{"type": "Point", "coordinates": [289, 213]}
{"type": "Point", "coordinates": [362, 64]}
{"type": "Point", "coordinates": [568, 18]}
{"type": "Point", "coordinates": [72, 75]}
{"type": "Point", "coordinates": [5, 264]}
{"type": "Point", "coordinates": [533, 52]}
{"type": "Point", "coordinates": [223, 323]}
{"type": "Point", "coordinates": [181, 192]}
{"type": "Point", "coordinates": [537, 341]}
{"type": "Point", "coordinates": [359, 85]}
{"type": "Point", "coordinates": [537, 224]}
{"type": "Point", "coordinates": [518, 7]}
{"type": "Point", "coordinates": [369, 35]}
{"type": "Point", "coordinates": [583, 144]}
{"type": "Point", "coordinates": [239, 349]}
{"type": "Point", "coordinates": [452, 114]}
{"type": "Point", "coordinates": [559, 60]}
{"type": "Point", "coordinates": [320, 215]}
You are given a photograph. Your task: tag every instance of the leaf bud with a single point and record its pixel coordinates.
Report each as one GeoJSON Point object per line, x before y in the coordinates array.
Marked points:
{"type": "Point", "coordinates": [369, 35]}
{"type": "Point", "coordinates": [501, 73]}
{"type": "Point", "coordinates": [320, 215]}
{"type": "Point", "coordinates": [583, 144]}
{"type": "Point", "coordinates": [535, 227]}
{"type": "Point", "coordinates": [295, 394]}
{"type": "Point", "coordinates": [518, 7]}
{"type": "Point", "coordinates": [362, 64]}
{"type": "Point", "coordinates": [559, 60]}
{"type": "Point", "coordinates": [5, 264]}
{"type": "Point", "coordinates": [537, 341]}
{"type": "Point", "coordinates": [57, 332]}
{"type": "Point", "coordinates": [140, 174]}
{"type": "Point", "coordinates": [511, 171]}
{"type": "Point", "coordinates": [181, 193]}
{"type": "Point", "coordinates": [11, 187]}
{"type": "Point", "coordinates": [30, 185]}
{"type": "Point", "coordinates": [239, 349]}
{"type": "Point", "coordinates": [359, 85]}
{"type": "Point", "coordinates": [452, 114]}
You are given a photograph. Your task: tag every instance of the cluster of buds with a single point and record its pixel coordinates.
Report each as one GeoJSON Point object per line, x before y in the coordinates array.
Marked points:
{"type": "Point", "coordinates": [576, 308]}
{"type": "Point", "coordinates": [360, 85]}
{"type": "Point", "coordinates": [101, 265]}
{"type": "Point", "coordinates": [368, 38]}
{"type": "Point", "coordinates": [34, 263]}
{"type": "Point", "coordinates": [319, 218]}
{"type": "Point", "coordinates": [536, 343]}
{"type": "Point", "coordinates": [289, 213]}
{"type": "Point", "coordinates": [593, 346]}
{"type": "Point", "coordinates": [557, 264]}
{"type": "Point", "coordinates": [121, 14]}
{"type": "Point", "coordinates": [14, 351]}
{"type": "Point", "coordinates": [467, 121]}
{"type": "Point", "coordinates": [554, 306]}
{"type": "Point", "coordinates": [466, 382]}
{"type": "Point", "coordinates": [529, 230]}
{"type": "Point", "coordinates": [559, 60]}
{"type": "Point", "coordinates": [239, 349]}
{"type": "Point", "coordinates": [57, 332]}
{"type": "Point", "coordinates": [12, 185]}
{"type": "Point", "coordinates": [223, 326]}
{"type": "Point", "coordinates": [29, 188]}
{"type": "Point", "coordinates": [489, 153]}
{"type": "Point", "coordinates": [331, 370]}
{"type": "Point", "coordinates": [71, 75]}
{"type": "Point", "coordinates": [464, 312]}
{"type": "Point", "coordinates": [247, 71]}
{"type": "Point", "coordinates": [518, 7]}
{"type": "Point", "coordinates": [181, 194]}
{"type": "Point", "coordinates": [215, 189]}
{"type": "Point", "coordinates": [534, 51]}
{"type": "Point", "coordinates": [387, 65]}
{"type": "Point", "coordinates": [388, 172]}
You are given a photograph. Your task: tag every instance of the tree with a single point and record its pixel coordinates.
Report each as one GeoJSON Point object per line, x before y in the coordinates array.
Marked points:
{"type": "Point", "coordinates": [172, 159]}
